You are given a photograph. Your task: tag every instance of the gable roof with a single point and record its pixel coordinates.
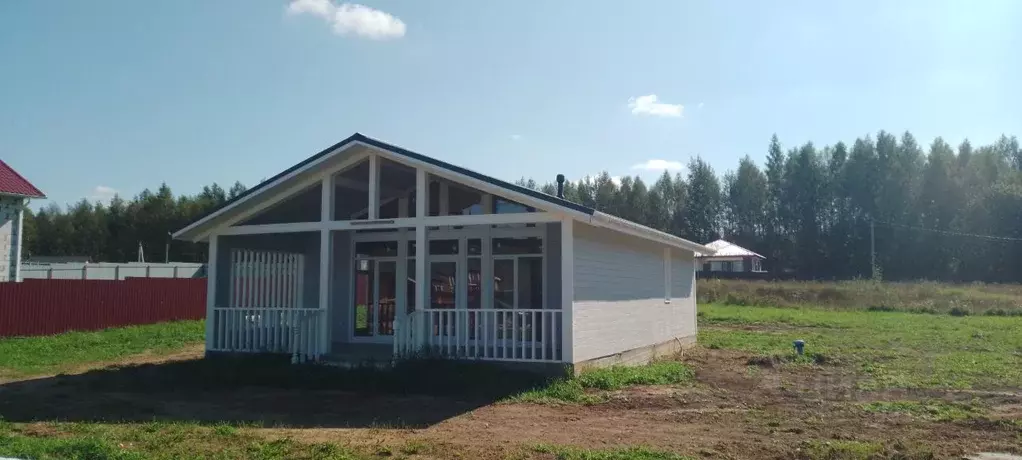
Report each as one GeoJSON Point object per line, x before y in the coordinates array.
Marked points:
{"type": "Point", "coordinates": [728, 249]}
{"type": "Point", "coordinates": [11, 183]}
{"type": "Point", "coordinates": [592, 216]}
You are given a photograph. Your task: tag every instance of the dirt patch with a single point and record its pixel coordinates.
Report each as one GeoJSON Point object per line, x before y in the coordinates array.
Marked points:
{"type": "Point", "coordinates": [733, 410]}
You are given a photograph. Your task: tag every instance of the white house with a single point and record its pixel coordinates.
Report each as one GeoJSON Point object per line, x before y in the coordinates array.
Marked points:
{"type": "Point", "coordinates": [321, 261]}
{"type": "Point", "coordinates": [730, 258]}
{"type": "Point", "coordinates": [15, 192]}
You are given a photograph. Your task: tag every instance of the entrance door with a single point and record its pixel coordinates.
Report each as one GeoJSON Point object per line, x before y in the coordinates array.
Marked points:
{"type": "Point", "coordinates": [442, 315]}
{"type": "Point", "coordinates": [375, 299]}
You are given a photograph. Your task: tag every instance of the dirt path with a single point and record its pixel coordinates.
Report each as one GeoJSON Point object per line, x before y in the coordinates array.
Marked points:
{"type": "Point", "coordinates": [729, 413]}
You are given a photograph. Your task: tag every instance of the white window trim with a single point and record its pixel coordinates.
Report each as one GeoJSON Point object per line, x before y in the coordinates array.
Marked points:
{"type": "Point", "coordinates": [667, 275]}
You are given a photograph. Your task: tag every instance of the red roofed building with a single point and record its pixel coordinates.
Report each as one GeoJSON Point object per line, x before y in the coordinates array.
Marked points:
{"type": "Point", "coordinates": [14, 192]}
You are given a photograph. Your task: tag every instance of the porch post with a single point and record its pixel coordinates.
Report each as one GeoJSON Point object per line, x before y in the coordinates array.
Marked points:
{"type": "Point", "coordinates": [567, 289]}
{"type": "Point", "coordinates": [326, 255]}
{"type": "Point", "coordinates": [374, 186]}
{"type": "Point", "coordinates": [421, 248]}
{"type": "Point", "coordinates": [211, 290]}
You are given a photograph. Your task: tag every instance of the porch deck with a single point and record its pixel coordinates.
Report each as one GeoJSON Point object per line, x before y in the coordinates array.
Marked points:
{"type": "Point", "coordinates": [360, 354]}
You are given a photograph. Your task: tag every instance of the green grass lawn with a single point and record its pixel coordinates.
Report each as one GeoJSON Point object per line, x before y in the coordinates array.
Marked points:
{"type": "Point", "coordinates": [171, 441]}
{"type": "Point", "coordinates": [24, 356]}
{"type": "Point", "coordinates": [889, 349]}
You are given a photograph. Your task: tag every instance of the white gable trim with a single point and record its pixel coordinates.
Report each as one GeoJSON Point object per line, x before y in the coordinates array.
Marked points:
{"type": "Point", "coordinates": [277, 196]}
{"type": "Point", "coordinates": [287, 192]}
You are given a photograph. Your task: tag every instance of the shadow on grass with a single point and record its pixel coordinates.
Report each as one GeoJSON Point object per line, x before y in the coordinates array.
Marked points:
{"type": "Point", "coordinates": [266, 391]}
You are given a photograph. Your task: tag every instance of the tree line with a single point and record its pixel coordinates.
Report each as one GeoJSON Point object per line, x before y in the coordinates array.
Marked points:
{"type": "Point", "coordinates": [939, 212]}
{"type": "Point", "coordinates": [114, 232]}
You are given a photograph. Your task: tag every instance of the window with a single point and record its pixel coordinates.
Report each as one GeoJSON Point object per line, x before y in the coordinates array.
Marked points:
{"type": "Point", "coordinates": [757, 265]}
{"type": "Point", "coordinates": [667, 275]}
{"type": "Point", "coordinates": [376, 249]}
{"type": "Point", "coordinates": [727, 266]}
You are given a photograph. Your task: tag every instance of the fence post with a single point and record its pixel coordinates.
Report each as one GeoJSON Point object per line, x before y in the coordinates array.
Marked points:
{"type": "Point", "coordinates": [147, 270]}
{"type": "Point", "coordinates": [85, 272]}
{"type": "Point", "coordinates": [49, 273]}
{"type": "Point", "coordinates": [175, 272]}
{"type": "Point", "coordinates": [117, 272]}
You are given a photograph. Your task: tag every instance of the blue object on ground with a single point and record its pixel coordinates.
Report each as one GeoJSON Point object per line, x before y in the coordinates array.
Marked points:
{"type": "Point", "coordinates": [799, 346]}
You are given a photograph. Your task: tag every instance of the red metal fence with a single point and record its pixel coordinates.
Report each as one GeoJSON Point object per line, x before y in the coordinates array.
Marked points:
{"type": "Point", "coordinates": [43, 307]}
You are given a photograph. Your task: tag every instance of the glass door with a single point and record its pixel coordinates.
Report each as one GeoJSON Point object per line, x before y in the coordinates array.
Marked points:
{"type": "Point", "coordinates": [375, 299]}
{"type": "Point", "coordinates": [443, 298]}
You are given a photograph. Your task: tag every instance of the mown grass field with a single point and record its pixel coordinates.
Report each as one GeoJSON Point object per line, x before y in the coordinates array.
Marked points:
{"type": "Point", "coordinates": [914, 297]}
{"type": "Point", "coordinates": [886, 349]}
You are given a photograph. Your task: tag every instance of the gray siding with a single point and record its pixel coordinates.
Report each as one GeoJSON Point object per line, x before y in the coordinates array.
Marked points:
{"type": "Point", "coordinates": [340, 297]}
{"type": "Point", "coordinates": [619, 294]}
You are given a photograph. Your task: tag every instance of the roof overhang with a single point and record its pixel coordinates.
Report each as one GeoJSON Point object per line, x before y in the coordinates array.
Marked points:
{"type": "Point", "coordinates": [18, 195]}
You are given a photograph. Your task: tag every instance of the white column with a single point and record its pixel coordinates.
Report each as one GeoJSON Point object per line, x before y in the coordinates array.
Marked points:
{"type": "Point", "coordinates": [487, 270]}
{"type": "Point", "coordinates": [567, 289]}
{"type": "Point", "coordinates": [325, 257]}
{"type": "Point", "coordinates": [19, 214]}
{"type": "Point", "coordinates": [374, 187]}
{"type": "Point", "coordinates": [445, 198]}
{"type": "Point", "coordinates": [421, 249]}
{"type": "Point", "coordinates": [211, 266]}
{"type": "Point", "coordinates": [487, 204]}
{"type": "Point", "coordinates": [326, 200]}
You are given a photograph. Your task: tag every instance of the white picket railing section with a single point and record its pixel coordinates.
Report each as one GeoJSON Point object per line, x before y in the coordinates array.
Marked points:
{"type": "Point", "coordinates": [491, 334]}
{"type": "Point", "coordinates": [264, 312]}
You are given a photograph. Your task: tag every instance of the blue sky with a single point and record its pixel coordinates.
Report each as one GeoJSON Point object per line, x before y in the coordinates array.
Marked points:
{"type": "Point", "coordinates": [121, 95]}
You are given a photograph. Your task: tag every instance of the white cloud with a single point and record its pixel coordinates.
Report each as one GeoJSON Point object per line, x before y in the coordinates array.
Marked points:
{"type": "Point", "coordinates": [658, 165]}
{"type": "Point", "coordinates": [700, 105]}
{"type": "Point", "coordinates": [516, 137]}
{"type": "Point", "coordinates": [102, 193]}
{"type": "Point", "coordinates": [352, 18]}
{"type": "Point", "coordinates": [648, 105]}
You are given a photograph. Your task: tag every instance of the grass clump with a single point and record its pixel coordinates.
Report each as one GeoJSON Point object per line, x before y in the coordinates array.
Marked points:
{"type": "Point", "coordinates": [841, 450]}
{"type": "Point", "coordinates": [617, 377]}
{"type": "Point", "coordinates": [627, 453]}
{"type": "Point", "coordinates": [938, 411]}
{"type": "Point", "coordinates": [861, 450]}
{"type": "Point", "coordinates": [589, 387]}
{"type": "Point", "coordinates": [23, 356]}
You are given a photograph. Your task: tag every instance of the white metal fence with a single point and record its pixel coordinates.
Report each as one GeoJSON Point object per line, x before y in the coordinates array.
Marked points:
{"type": "Point", "coordinates": [112, 271]}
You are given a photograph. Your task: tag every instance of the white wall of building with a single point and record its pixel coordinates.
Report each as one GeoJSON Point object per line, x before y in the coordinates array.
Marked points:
{"type": "Point", "coordinates": [620, 294]}
{"type": "Point", "coordinates": [10, 238]}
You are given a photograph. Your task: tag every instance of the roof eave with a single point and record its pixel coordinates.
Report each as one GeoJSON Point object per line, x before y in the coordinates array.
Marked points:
{"type": "Point", "coordinates": [21, 195]}
{"type": "Point", "coordinates": [626, 226]}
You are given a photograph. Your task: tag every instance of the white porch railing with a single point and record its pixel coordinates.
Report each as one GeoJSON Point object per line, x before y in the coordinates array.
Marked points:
{"type": "Point", "coordinates": [491, 334]}
{"type": "Point", "coordinates": [295, 331]}
{"type": "Point", "coordinates": [264, 312]}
